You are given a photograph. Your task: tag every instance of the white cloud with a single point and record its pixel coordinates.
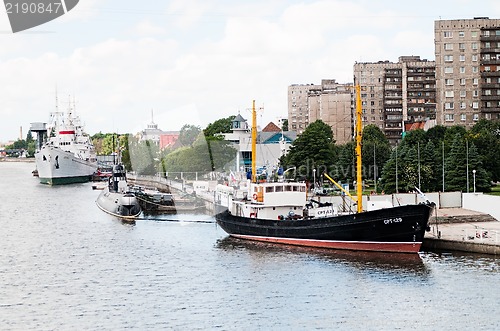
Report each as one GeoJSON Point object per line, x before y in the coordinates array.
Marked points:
{"type": "Point", "coordinates": [146, 28]}
{"type": "Point", "coordinates": [187, 13]}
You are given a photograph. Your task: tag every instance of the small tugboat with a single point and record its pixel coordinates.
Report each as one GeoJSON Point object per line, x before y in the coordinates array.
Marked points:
{"type": "Point", "coordinates": [280, 213]}
{"type": "Point", "coordinates": [116, 199]}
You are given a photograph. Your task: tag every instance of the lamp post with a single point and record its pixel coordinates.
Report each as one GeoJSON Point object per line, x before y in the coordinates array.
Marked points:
{"type": "Point", "coordinates": [314, 179]}
{"type": "Point", "coordinates": [474, 179]}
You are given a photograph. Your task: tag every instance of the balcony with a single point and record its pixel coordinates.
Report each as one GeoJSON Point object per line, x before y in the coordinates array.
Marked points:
{"type": "Point", "coordinates": [490, 97]}
{"type": "Point", "coordinates": [490, 73]}
{"type": "Point", "coordinates": [491, 37]}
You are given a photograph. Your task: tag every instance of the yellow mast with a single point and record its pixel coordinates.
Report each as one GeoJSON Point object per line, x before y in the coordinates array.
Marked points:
{"type": "Point", "coordinates": [254, 142]}
{"type": "Point", "coordinates": [359, 180]}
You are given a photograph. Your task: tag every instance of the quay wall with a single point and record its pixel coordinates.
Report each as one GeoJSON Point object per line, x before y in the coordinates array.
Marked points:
{"type": "Point", "coordinates": [488, 204]}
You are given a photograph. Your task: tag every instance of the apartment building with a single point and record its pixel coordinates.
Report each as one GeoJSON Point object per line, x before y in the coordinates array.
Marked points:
{"type": "Point", "coordinates": [330, 102]}
{"type": "Point", "coordinates": [298, 113]}
{"type": "Point", "coordinates": [467, 70]}
{"type": "Point", "coordinates": [397, 94]}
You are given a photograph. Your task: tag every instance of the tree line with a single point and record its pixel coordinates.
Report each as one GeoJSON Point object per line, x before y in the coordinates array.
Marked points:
{"type": "Point", "coordinates": [439, 159]}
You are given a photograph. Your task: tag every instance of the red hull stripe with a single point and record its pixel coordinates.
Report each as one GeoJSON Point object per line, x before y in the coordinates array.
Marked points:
{"type": "Point", "coordinates": [66, 132]}
{"type": "Point", "coordinates": [395, 247]}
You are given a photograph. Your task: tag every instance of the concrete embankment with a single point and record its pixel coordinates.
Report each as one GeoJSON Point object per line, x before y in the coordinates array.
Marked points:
{"type": "Point", "coordinates": [458, 229]}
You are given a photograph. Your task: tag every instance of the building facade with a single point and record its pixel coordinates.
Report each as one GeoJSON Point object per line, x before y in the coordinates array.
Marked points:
{"type": "Point", "coordinates": [467, 70]}
{"type": "Point", "coordinates": [396, 94]}
{"type": "Point", "coordinates": [330, 102]}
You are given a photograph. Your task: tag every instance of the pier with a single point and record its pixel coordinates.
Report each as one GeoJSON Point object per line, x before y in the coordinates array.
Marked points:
{"type": "Point", "coordinates": [459, 229]}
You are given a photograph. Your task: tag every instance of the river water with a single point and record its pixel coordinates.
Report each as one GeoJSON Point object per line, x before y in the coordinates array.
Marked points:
{"type": "Point", "coordinates": [66, 265]}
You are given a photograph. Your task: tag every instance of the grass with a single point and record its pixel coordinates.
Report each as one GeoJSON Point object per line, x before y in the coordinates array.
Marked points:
{"type": "Point", "coordinates": [495, 190]}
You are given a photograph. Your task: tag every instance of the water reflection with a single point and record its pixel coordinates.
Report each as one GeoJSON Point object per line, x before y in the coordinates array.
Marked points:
{"type": "Point", "coordinates": [388, 263]}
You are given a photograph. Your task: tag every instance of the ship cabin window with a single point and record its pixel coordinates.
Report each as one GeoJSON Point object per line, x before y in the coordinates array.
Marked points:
{"type": "Point", "coordinates": [269, 189]}
{"type": "Point", "coordinates": [279, 188]}
{"type": "Point", "coordinates": [302, 189]}
{"type": "Point", "coordinates": [288, 188]}
{"type": "Point", "coordinates": [295, 188]}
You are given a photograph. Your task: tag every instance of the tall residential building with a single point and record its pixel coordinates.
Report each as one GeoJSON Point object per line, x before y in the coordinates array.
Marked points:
{"type": "Point", "coordinates": [298, 113]}
{"type": "Point", "coordinates": [467, 70]}
{"type": "Point", "coordinates": [395, 94]}
{"type": "Point", "coordinates": [330, 102]}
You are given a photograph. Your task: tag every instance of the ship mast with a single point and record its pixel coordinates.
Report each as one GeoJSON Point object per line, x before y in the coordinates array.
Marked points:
{"type": "Point", "coordinates": [254, 142]}
{"type": "Point", "coordinates": [359, 180]}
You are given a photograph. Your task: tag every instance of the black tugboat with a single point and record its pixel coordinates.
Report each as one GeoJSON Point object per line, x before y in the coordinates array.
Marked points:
{"type": "Point", "coordinates": [281, 213]}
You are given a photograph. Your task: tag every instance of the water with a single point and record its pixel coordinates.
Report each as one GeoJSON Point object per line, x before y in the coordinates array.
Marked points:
{"type": "Point", "coordinates": [66, 265]}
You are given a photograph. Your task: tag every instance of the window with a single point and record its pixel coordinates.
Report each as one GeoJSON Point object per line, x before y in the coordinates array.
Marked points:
{"type": "Point", "coordinates": [475, 93]}
{"type": "Point", "coordinates": [475, 105]}
{"type": "Point", "coordinates": [486, 33]}
{"type": "Point", "coordinates": [463, 105]}
{"type": "Point", "coordinates": [448, 70]}
{"type": "Point", "coordinates": [463, 117]}
{"type": "Point", "coordinates": [475, 81]}
{"type": "Point", "coordinates": [448, 34]}
{"type": "Point", "coordinates": [448, 47]}
{"type": "Point", "coordinates": [497, 32]}
{"type": "Point", "coordinates": [462, 81]}
{"type": "Point", "coordinates": [462, 58]}
{"type": "Point", "coordinates": [448, 58]}
{"type": "Point", "coordinates": [461, 46]}
{"type": "Point", "coordinates": [474, 58]}
{"type": "Point", "coordinates": [463, 94]}
{"type": "Point", "coordinates": [462, 70]}
{"type": "Point", "coordinates": [461, 34]}
{"type": "Point", "coordinates": [488, 80]}
{"type": "Point", "coordinates": [474, 46]}
{"type": "Point", "coordinates": [473, 34]}
{"type": "Point", "coordinates": [475, 117]}
{"type": "Point", "coordinates": [487, 44]}
{"type": "Point", "coordinates": [448, 117]}
{"type": "Point", "coordinates": [487, 92]}
{"type": "Point", "coordinates": [448, 81]}
{"type": "Point", "coordinates": [476, 69]}
{"type": "Point", "coordinates": [449, 94]}
{"type": "Point", "coordinates": [448, 105]}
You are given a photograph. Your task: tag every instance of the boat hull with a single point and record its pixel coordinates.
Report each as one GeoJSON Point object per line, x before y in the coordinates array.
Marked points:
{"type": "Point", "coordinates": [58, 167]}
{"type": "Point", "coordinates": [398, 229]}
{"type": "Point", "coordinates": [122, 205]}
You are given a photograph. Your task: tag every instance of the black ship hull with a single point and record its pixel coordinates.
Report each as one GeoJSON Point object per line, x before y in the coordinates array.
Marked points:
{"type": "Point", "coordinates": [397, 229]}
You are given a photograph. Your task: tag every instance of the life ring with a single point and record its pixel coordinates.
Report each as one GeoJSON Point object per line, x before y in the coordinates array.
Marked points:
{"type": "Point", "coordinates": [254, 196]}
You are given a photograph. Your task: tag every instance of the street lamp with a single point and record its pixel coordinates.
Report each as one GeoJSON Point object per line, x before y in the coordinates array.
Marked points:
{"type": "Point", "coordinates": [474, 179]}
{"type": "Point", "coordinates": [314, 179]}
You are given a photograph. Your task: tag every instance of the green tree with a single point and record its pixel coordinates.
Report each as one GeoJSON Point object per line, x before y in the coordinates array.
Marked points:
{"type": "Point", "coordinates": [188, 134]}
{"type": "Point", "coordinates": [222, 125]}
{"type": "Point", "coordinates": [284, 127]}
{"type": "Point", "coordinates": [486, 137]}
{"type": "Point", "coordinates": [483, 181]}
{"type": "Point", "coordinates": [344, 168]}
{"type": "Point", "coordinates": [375, 151]}
{"type": "Point", "coordinates": [389, 183]}
{"type": "Point", "coordinates": [455, 168]}
{"type": "Point", "coordinates": [144, 156]}
{"type": "Point", "coordinates": [429, 168]}
{"type": "Point", "coordinates": [313, 149]}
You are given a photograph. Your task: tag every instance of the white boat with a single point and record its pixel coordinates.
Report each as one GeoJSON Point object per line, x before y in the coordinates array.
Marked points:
{"type": "Point", "coordinates": [67, 155]}
{"type": "Point", "coordinates": [116, 199]}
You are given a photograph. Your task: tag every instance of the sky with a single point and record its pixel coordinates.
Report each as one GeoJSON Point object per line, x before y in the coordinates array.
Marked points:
{"type": "Point", "coordinates": [195, 61]}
